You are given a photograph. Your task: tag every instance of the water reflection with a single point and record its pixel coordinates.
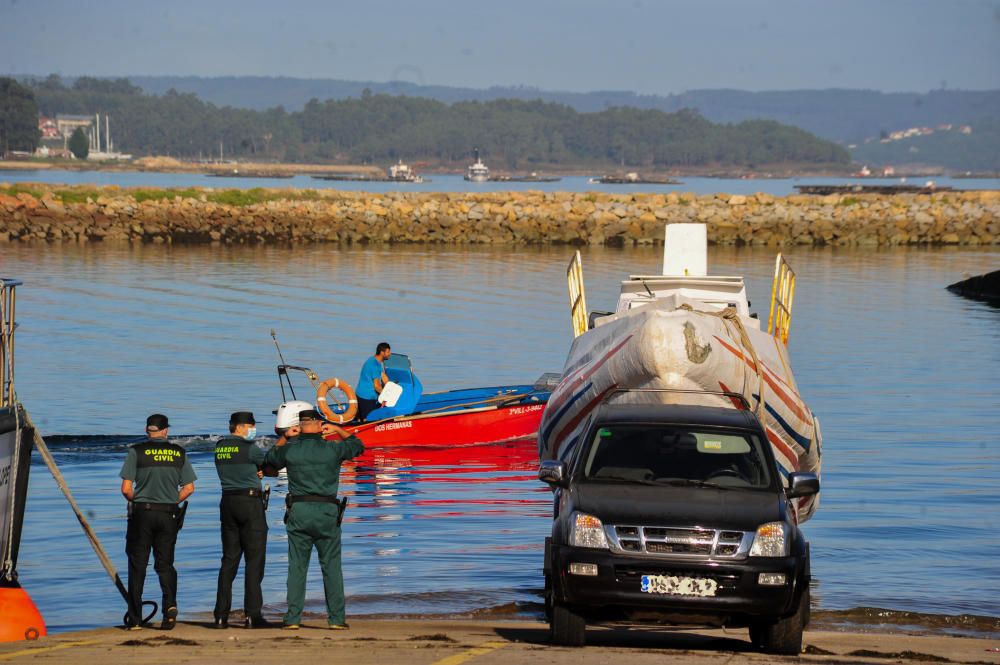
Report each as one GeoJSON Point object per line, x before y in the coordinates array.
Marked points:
{"type": "Point", "coordinates": [456, 183]}
{"type": "Point", "coordinates": [899, 371]}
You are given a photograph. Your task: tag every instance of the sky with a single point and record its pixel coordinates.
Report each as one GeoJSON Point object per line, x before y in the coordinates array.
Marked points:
{"type": "Point", "coordinates": [569, 45]}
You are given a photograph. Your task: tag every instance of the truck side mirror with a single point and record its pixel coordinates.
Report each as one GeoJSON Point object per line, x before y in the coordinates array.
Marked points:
{"type": "Point", "coordinates": [552, 472]}
{"type": "Point", "coordinates": [802, 483]}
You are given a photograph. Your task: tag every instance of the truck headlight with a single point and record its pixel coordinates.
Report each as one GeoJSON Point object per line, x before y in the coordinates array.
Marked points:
{"type": "Point", "coordinates": [771, 539]}
{"type": "Point", "coordinates": [587, 531]}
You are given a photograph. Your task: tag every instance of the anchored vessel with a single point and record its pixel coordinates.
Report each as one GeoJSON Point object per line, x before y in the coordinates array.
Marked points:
{"type": "Point", "coordinates": [400, 172]}
{"type": "Point", "coordinates": [19, 618]}
{"type": "Point", "coordinates": [477, 171]}
{"type": "Point", "coordinates": [682, 457]}
{"type": "Point", "coordinates": [534, 176]}
{"type": "Point", "coordinates": [632, 178]}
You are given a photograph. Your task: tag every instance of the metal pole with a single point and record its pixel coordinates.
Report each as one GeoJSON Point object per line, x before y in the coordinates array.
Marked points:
{"type": "Point", "coordinates": [11, 326]}
{"type": "Point", "coordinates": [4, 347]}
{"type": "Point", "coordinates": [275, 338]}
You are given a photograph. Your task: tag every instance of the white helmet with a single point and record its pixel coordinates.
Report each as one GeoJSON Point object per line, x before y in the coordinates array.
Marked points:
{"type": "Point", "coordinates": [288, 413]}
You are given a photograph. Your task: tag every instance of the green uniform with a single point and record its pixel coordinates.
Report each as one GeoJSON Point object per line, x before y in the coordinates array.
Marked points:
{"type": "Point", "coordinates": [313, 465]}
{"type": "Point", "coordinates": [237, 462]}
{"type": "Point", "coordinates": [157, 468]}
{"type": "Point", "coordinates": [244, 525]}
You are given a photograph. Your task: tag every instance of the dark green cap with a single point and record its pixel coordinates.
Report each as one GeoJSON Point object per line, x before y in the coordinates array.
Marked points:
{"type": "Point", "coordinates": [242, 418]}
{"type": "Point", "coordinates": [157, 421]}
{"type": "Point", "coordinates": [310, 414]}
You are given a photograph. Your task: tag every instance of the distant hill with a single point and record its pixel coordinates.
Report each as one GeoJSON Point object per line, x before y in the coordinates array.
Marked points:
{"type": "Point", "coordinates": [843, 115]}
{"type": "Point", "coordinates": [379, 128]}
{"type": "Point", "coordinates": [847, 116]}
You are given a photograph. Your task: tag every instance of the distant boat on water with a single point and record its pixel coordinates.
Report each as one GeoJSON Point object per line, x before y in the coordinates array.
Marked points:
{"type": "Point", "coordinates": [235, 173]}
{"type": "Point", "coordinates": [632, 178]}
{"type": "Point", "coordinates": [400, 172]}
{"type": "Point", "coordinates": [477, 172]}
{"type": "Point", "coordinates": [531, 177]}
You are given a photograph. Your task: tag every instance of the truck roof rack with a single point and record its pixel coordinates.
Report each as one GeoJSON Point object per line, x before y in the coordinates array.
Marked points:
{"type": "Point", "coordinates": [739, 400]}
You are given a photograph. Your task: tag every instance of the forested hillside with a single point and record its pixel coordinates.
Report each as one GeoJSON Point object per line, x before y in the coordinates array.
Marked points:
{"type": "Point", "coordinates": [844, 115]}
{"type": "Point", "coordinates": [376, 128]}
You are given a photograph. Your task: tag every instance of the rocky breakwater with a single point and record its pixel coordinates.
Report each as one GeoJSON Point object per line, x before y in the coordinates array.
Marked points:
{"type": "Point", "coordinates": [41, 214]}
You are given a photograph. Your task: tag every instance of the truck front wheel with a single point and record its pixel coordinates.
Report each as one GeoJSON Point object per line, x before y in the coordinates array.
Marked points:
{"type": "Point", "coordinates": [783, 636]}
{"type": "Point", "coordinates": [567, 628]}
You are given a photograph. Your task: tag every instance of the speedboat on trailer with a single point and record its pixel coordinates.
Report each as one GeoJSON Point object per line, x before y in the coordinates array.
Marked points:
{"type": "Point", "coordinates": [685, 337]}
{"type": "Point", "coordinates": [450, 418]}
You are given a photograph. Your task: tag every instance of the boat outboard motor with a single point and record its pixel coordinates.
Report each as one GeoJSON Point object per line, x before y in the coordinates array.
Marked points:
{"type": "Point", "coordinates": [288, 415]}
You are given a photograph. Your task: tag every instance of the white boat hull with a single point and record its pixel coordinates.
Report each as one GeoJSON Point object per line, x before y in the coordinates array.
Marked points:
{"type": "Point", "coordinates": [658, 348]}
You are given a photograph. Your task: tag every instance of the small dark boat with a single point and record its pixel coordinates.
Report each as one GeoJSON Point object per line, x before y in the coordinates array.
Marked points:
{"type": "Point", "coordinates": [632, 179]}
{"type": "Point", "coordinates": [235, 173]}
{"type": "Point", "coordinates": [981, 287]}
{"type": "Point", "coordinates": [531, 177]}
{"type": "Point", "coordinates": [825, 190]}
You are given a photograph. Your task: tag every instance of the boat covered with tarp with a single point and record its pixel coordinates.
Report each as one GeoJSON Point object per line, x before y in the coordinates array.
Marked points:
{"type": "Point", "coordinates": [685, 337]}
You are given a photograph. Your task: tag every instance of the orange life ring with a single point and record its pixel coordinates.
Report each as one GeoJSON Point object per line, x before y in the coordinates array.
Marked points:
{"type": "Point", "coordinates": [352, 400]}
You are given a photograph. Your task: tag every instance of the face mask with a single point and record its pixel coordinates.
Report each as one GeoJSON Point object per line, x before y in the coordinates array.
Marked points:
{"type": "Point", "coordinates": [251, 434]}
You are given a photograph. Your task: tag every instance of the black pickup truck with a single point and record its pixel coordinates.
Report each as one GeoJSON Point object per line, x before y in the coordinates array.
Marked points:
{"type": "Point", "coordinates": [676, 515]}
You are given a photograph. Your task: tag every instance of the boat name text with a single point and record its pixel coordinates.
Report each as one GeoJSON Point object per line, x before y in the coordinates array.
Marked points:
{"type": "Point", "coordinates": [388, 426]}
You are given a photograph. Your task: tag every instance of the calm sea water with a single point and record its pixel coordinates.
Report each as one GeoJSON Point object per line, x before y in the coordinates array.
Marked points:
{"type": "Point", "coordinates": [455, 183]}
{"type": "Point", "coordinates": [901, 373]}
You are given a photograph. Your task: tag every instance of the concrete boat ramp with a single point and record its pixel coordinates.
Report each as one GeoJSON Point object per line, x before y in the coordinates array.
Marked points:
{"type": "Point", "coordinates": [440, 642]}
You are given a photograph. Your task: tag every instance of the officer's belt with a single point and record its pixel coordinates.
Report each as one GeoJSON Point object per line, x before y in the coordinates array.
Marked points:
{"type": "Point", "coordinates": [311, 498]}
{"type": "Point", "coordinates": [243, 492]}
{"type": "Point", "coordinates": [160, 507]}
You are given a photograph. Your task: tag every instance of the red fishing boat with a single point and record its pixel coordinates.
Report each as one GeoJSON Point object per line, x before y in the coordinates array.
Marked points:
{"type": "Point", "coordinates": [451, 418]}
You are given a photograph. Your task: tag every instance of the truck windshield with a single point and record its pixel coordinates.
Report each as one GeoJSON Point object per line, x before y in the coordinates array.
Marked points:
{"type": "Point", "coordinates": [677, 455]}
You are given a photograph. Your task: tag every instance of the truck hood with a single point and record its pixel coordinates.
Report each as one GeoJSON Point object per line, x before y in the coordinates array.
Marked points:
{"type": "Point", "coordinates": [648, 505]}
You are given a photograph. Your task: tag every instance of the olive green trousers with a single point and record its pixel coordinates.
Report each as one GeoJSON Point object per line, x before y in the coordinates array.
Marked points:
{"type": "Point", "coordinates": [314, 525]}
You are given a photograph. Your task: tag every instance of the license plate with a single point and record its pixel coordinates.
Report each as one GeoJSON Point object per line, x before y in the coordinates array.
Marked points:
{"type": "Point", "coordinates": [674, 585]}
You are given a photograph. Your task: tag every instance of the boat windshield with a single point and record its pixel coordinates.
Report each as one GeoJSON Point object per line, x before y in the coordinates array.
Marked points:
{"type": "Point", "coordinates": [399, 361]}
{"type": "Point", "coordinates": [677, 455]}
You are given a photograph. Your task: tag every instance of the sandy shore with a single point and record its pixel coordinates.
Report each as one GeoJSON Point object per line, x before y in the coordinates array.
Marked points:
{"type": "Point", "coordinates": [440, 642]}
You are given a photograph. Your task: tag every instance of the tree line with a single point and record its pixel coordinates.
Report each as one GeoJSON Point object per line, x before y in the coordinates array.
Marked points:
{"type": "Point", "coordinates": [378, 128]}
{"type": "Point", "coordinates": [842, 115]}
{"type": "Point", "coordinates": [18, 118]}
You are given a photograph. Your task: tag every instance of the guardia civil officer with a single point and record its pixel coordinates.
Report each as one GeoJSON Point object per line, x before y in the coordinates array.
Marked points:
{"type": "Point", "coordinates": [244, 524]}
{"type": "Point", "coordinates": [313, 465]}
{"type": "Point", "coordinates": [156, 476]}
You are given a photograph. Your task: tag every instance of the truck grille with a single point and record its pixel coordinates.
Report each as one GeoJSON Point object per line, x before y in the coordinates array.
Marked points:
{"type": "Point", "coordinates": [680, 542]}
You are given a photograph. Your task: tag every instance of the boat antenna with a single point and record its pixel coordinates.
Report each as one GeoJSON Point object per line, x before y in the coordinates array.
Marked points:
{"type": "Point", "coordinates": [275, 338]}
{"type": "Point", "coordinates": [641, 281]}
